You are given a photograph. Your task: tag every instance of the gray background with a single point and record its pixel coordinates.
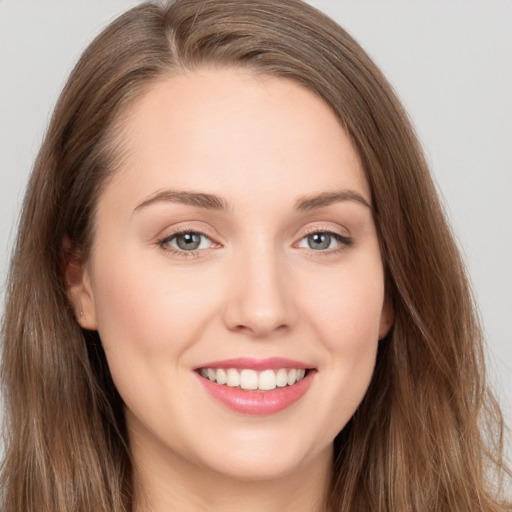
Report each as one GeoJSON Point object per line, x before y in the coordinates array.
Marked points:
{"type": "Point", "coordinates": [449, 61]}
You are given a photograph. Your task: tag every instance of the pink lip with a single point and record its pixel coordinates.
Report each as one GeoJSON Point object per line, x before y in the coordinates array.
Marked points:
{"type": "Point", "coordinates": [257, 402]}
{"type": "Point", "coordinates": [270, 363]}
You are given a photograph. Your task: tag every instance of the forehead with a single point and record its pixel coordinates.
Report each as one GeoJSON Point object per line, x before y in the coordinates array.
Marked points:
{"type": "Point", "coordinates": [235, 133]}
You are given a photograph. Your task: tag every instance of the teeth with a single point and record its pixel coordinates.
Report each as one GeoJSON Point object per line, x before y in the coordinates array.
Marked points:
{"type": "Point", "coordinates": [233, 378]}
{"type": "Point", "coordinates": [221, 376]}
{"type": "Point", "coordinates": [249, 380]}
{"type": "Point", "coordinates": [267, 380]}
{"type": "Point", "coordinates": [281, 378]}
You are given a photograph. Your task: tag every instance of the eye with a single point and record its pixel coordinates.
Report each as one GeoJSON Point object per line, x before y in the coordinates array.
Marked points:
{"type": "Point", "coordinates": [187, 241]}
{"type": "Point", "coordinates": [324, 241]}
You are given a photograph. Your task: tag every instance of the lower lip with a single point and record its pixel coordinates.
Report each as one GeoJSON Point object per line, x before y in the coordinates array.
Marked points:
{"type": "Point", "coordinates": [258, 402]}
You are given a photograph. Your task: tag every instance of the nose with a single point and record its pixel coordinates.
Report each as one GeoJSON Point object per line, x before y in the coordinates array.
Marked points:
{"type": "Point", "coordinates": [260, 299]}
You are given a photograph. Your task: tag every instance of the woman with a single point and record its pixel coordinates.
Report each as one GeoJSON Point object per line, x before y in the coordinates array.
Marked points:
{"type": "Point", "coordinates": [234, 287]}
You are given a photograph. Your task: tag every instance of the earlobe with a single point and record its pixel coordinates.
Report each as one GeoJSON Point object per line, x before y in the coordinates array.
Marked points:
{"type": "Point", "coordinates": [387, 318]}
{"type": "Point", "coordinates": [78, 286]}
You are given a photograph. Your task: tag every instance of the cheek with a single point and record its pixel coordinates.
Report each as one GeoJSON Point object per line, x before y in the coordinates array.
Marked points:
{"type": "Point", "coordinates": [346, 318]}
{"type": "Point", "coordinates": [149, 315]}
{"type": "Point", "coordinates": [149, 304]}
{"type": "Point", "coordinates": [348, 310]}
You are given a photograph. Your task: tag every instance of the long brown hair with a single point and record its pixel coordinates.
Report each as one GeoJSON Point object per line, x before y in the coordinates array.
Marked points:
{"type": "Point", "coordinates": [428, 434]}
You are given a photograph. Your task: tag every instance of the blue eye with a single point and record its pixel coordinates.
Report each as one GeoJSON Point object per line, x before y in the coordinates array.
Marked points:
{"type": "Point", "coordinates": [324, 240]}
{"type": "Point", "coordinates": [188, 241]}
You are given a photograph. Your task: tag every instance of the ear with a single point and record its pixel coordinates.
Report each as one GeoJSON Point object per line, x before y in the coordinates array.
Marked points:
{"type": "Point", "coordinates": [78, 286]}
{"type": "Point", "coordinates": [387, 318]}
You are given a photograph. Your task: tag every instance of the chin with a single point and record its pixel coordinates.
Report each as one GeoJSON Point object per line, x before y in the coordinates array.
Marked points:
{"type": "Point", "coordinates": [260, 461]}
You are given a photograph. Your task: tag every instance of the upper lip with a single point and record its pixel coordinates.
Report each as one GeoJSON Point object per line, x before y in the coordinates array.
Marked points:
{"type": "Point", "coordinates": [270, 363]}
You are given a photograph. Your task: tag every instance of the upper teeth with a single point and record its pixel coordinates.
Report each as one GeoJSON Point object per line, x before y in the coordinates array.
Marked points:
{"type": "Point", "coordinates": [265, 380]}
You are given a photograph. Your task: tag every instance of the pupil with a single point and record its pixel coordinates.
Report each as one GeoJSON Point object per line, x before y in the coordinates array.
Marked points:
{"type": "Point", "coordinates": [188, 241]}
{"type": "Point", "coordinates": [319, 241]}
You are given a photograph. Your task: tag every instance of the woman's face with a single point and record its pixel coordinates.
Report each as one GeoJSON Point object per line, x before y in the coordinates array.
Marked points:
{"type": "Point", "coordinates": [236, 243]}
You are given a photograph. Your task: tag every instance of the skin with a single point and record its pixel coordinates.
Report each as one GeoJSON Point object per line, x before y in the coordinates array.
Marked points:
{"type": "Point", "coordinates": [254, 288]}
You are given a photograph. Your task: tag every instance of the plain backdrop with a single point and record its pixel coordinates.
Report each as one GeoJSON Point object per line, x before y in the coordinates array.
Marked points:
{"type": "Point", "coordinates": [449, 61]}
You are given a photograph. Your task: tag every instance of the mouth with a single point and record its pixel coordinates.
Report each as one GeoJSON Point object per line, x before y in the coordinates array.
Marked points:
{"type": "Point", "coordinates": [248, 379]}
{"type": "Point", "coordinates": [256, 387]}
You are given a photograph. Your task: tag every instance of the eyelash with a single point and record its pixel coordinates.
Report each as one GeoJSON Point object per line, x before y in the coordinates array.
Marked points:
{"type": "Point", "coordinates": [344, 241]}
{"type": "Point", "coordinates": [164, 243]}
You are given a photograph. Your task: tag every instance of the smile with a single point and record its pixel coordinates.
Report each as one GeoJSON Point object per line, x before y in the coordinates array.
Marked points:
{"type": "Point", "coordinates": [256, 386]}
{"type": "Point", "coordinates": [250, 380]}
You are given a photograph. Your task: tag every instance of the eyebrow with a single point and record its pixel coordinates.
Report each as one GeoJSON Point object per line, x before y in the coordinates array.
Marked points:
{"type": "Point", "coordinates": [214, 202]}
{"type": "Point", "coordinates": [314, 202]}
{"type": "Point", "coordinates": [200, 199]}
